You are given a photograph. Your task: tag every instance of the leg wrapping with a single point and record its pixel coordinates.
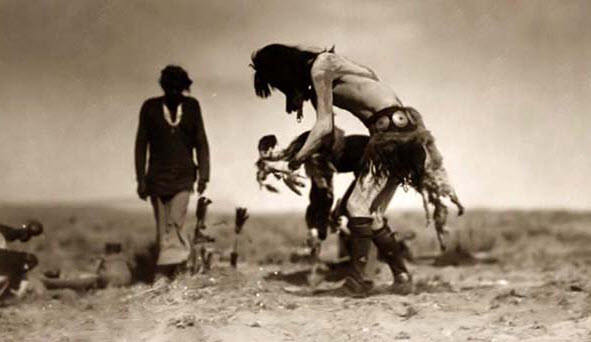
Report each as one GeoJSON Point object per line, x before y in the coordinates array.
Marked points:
{"type": "Point", "coordinates": [391, 250]}
{"type": "Point", "coordinates": [360, 243]}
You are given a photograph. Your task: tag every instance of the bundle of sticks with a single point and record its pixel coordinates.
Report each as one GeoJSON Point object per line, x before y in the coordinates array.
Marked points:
{"type": "Point", "coordinates": [292, 179]}
{"type": "Point", "coordinates": [269, 161]}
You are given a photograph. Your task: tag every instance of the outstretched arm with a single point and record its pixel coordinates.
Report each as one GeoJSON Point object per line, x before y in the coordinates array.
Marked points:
{"type": "Point", "coordinates": [327, 67]}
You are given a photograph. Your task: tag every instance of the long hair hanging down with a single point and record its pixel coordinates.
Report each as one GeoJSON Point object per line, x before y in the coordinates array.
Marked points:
{"type": "Point", "coordinates": [285, 68]}
{"type": "Point", "coordinates": [261, 86]}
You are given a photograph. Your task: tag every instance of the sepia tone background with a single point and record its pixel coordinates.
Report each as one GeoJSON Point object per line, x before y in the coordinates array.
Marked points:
{"type": "Point", "coordinates": [505, 87]}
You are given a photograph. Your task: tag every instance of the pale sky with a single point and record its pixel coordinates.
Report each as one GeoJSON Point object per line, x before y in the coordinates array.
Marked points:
{"type": "Point", "coordinates": [505, 87]}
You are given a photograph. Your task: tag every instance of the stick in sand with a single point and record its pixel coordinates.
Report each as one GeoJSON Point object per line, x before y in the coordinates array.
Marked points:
{"type": "Point", "coordinates": [197, 261]}
{"type": "Point", "coordinates": [241, 217]}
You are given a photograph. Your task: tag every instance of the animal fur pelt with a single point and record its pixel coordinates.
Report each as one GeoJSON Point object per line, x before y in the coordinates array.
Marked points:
{"type": "Point", "coordinates": [413, 159]}
{"type": "Point", "coordinates": [400, 154]}
{"type": "Point", "coordinates": [434, 185]}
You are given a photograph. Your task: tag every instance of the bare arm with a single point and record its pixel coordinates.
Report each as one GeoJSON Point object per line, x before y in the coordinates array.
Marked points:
{"type": "Point", "coordinates": [202, 148]}
{"type": "Point", "coordinates": [326, 69]}
{"type": "Point", "coordinates": [322, 81]}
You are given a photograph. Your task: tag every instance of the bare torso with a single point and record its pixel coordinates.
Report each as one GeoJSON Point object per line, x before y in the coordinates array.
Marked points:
{"type": "Point", "coordinates": [362, 96]}
{"type": "Point", "coordinates": [345, 84]}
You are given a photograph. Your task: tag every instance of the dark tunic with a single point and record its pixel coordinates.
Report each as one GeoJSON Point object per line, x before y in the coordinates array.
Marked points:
{"type": "Point", "coordinates": [171, 166]}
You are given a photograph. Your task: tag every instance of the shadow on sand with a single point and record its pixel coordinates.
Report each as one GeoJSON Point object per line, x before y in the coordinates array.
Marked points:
{"type": "Point", "coordinates": [334, 274]}
{"type": "Point", "coordinates": [329, 272]}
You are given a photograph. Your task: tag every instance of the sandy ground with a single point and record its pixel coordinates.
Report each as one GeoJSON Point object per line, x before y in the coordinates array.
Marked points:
{"type": "Point", "coordinates": [472, 303]}
{"type": "Point", "coordinates": [540, 290]}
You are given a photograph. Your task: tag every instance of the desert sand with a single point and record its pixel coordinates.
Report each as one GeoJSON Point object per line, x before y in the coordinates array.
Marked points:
{"type": "Point", "coordinates": [537, 290]}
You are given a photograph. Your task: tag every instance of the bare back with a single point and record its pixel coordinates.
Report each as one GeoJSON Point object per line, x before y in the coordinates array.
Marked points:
{"type": "Point", "coordinates": [362, 96]}
{"type": "Point", "coordinates": [343, 83]}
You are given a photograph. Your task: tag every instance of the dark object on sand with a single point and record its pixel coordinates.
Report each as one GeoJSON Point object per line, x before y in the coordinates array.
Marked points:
{"type": "Point", "coordinates": [24, 233]}
{"type": "Point", "coordinates": [234, 258]}
{"type": "Point", "coordinates": [112, 270]}
{"type": "Point", "coordinates": [85, 282]}
{"type": "Point", "coordinates": [241, 217]}
{"type": "Point", "coordinates": [53, 273]}
{"type": "Point", "coordinates": [14, 265]}
{"type": "Point", "coordinates": [457, 257]}
{"type": "Point", "coordinates": [112, 248]}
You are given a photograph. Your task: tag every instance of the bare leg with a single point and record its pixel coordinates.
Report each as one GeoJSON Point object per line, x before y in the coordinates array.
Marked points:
{"type": "Point", "coordinates": [440, 217]}
{"type": "Point", "coordinates": [425, 196]}
{"type": "Point", "coordinates": [455, 200]}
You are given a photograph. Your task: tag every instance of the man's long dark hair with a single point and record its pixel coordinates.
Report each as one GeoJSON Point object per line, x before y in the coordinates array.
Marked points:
{"type": "Point", "coordinates": [285, 68]}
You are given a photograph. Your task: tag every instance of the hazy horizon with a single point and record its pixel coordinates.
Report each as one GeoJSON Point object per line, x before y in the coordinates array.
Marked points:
{"type": "Point", "coordinates": [504, 86]}
{"type": "Point", "coordinates": [133, 204]}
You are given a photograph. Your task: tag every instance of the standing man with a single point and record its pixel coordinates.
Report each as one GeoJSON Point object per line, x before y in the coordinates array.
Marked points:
{"type": "Point", "coordinates": [170, 129]}
{"type": "Point", "coordinates": [394, 155]}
